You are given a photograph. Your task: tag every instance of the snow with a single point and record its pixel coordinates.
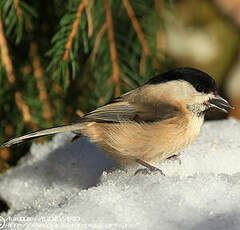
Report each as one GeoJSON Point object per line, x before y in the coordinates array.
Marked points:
{"type": "Point", "coordinates": [70, 185]}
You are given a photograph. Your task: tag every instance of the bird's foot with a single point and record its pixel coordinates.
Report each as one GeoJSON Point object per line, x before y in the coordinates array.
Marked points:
{"type": "Point", "coordinates": [148, 170]}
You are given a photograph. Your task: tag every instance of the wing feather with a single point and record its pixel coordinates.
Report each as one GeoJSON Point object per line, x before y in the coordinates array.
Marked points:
{"type": "Point", "coordinates": [120, 110]}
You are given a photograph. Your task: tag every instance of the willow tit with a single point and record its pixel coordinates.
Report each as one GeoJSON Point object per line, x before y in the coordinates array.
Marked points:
{"type": "Point", "coordinates": [149, 123]}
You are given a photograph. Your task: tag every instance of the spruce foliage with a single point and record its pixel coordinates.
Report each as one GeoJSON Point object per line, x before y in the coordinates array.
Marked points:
{"type": "Point", "coordinates": [60, 59]}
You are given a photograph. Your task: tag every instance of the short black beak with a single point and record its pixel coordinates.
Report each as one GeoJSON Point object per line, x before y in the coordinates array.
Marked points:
{"type": "Point", "coordinates": [220, 103]}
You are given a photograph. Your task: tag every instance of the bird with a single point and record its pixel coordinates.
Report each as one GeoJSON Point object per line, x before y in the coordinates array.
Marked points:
{"type": "Point", "coordinates": [150, 123]}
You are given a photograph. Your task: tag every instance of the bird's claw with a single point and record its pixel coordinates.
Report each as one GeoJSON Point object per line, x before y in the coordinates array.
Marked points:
{"type": "Point", "coordinates": [148, 171]}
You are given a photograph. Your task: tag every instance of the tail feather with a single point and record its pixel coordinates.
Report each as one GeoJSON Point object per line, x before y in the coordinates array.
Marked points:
{"type": "Point", "coordinates": [41, 133]}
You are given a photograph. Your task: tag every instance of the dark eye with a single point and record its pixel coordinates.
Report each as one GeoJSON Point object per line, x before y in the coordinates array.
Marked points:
{"type": "Point", "coordinates": [199, 88]}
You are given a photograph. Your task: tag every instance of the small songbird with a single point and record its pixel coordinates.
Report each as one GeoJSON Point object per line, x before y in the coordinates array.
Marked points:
{"type": "Point", "coordinates": [150, 123]}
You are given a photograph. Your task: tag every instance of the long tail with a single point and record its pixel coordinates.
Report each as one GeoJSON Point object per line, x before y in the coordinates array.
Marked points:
{"type": "Point", "coordinates": [41, 133]}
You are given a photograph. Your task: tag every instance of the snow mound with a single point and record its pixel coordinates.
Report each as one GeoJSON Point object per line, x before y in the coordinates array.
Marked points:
{"type": "Point", "coordinates": [69, 185]}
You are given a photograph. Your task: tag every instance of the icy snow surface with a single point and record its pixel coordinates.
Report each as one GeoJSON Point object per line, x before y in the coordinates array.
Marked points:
{"type": "Point", "coordinates": [64, 185]}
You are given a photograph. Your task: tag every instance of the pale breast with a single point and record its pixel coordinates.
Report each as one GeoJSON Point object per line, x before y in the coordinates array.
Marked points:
{"type": "Point", "coordinates": [147, 141]}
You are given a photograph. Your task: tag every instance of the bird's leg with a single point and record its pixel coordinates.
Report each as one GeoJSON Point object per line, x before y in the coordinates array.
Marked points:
{"type": "Point", "coordinates": [149, 168]}
{"type": "Point", "coordinates": [174, 157]}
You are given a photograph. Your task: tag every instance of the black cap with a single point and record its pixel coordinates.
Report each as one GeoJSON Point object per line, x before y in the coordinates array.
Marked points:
{"type": "Point", "coordinates": [201, 81]}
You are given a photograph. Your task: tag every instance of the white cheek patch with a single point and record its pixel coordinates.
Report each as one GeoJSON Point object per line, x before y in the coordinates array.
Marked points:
{"type": "Point", "coordinates": [200, 98]}
{"type": "Point", "coordinates": [178, 90]}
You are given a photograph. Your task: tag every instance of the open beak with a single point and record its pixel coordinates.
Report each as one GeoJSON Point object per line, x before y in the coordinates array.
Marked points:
{"type": "Point", "coordinates": [220, 104]}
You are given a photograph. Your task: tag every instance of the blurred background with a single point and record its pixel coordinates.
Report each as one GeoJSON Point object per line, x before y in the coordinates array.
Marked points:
{"type": "Point", "coordinates": [60, 59]}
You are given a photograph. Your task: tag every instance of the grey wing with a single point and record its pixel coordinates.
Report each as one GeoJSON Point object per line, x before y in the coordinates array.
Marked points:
{"type": "Point", "coordinates": [113, 112]}
{"type": "Point", "coordinates": [120, 110]}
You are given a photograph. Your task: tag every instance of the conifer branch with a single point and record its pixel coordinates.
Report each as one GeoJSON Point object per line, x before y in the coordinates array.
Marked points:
{"type": "Point", "coordinates": [38, 74]}
{"type": "Point", "coordinates": [22, 106]}
{"type": "Point", "coordinates": [7, 63]}
{"type": "Point", "coordinates": [113, 52]}
{"type": "Point", "coordinates": [89, 18]}
{"type": "Point", "coordinates": [18, 10]}
{"type": "Point", "coordinates": [139, 31]}
{"type": "Point", "coordinates": [98, 41]}
{"type": "Point", "coordinates": [73, 31]}
{"type": "Point", "coordinates": [6, 60]}
{"type": "Point", "coordinates": [137, 27]}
